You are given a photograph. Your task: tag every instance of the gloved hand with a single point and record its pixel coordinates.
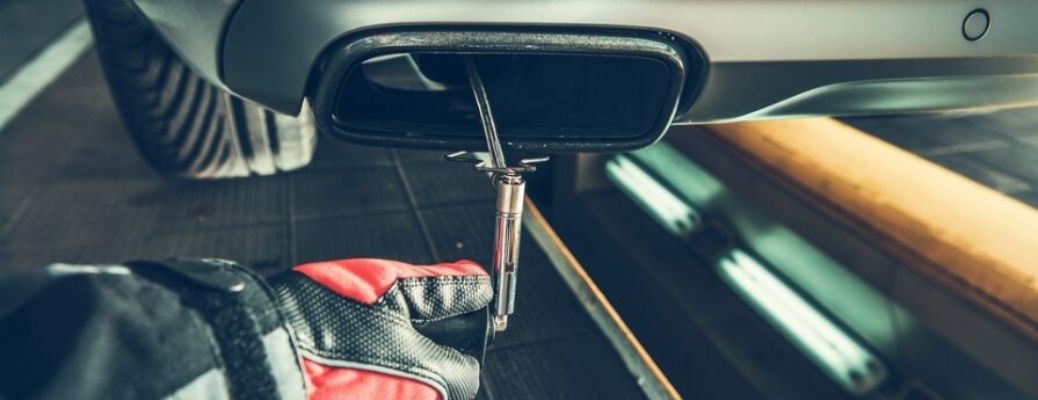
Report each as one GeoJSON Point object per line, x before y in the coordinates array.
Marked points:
{"type": "Point", "coordinates": [355, 326]}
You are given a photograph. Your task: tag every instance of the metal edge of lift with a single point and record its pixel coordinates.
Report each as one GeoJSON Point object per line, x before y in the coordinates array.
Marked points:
{"type": "Point", "coordinates": [647, 374]}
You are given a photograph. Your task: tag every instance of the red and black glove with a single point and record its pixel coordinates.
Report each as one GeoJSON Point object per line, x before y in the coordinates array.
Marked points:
{"type": "Point", "coordinates": [357, 326]}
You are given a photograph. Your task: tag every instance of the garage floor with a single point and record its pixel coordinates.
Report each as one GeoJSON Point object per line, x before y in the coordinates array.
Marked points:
{"type": "Point", "coordinates": [72, 189]}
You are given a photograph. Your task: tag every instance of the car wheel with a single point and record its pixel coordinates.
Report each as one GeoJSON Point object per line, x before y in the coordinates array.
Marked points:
{"type": "Point", "coordinates": [181, 124]}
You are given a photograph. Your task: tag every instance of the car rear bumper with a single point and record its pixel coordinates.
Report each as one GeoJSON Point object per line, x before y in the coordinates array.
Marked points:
{"type": "Point", "coordinates": [766, 59]}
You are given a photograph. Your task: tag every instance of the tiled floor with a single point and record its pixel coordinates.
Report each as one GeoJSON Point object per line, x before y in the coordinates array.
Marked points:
{"type": "Point", "coordinates": [73, 189]}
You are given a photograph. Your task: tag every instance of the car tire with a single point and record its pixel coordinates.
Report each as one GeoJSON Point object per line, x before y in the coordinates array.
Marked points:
{"type": "Point", "coordinates": [183, 125]}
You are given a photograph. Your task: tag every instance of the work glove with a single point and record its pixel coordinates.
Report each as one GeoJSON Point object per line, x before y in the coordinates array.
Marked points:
{"type": "Point", "coordinates": [357, 327]}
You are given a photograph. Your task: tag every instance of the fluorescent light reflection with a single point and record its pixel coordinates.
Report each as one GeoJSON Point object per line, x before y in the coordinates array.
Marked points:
{"type": "Point", "coordinates": [676, 216]}
{"type": "Point", "coordinates": [688, 180]}
{"type": "Point", "coordinates": [839, 356]}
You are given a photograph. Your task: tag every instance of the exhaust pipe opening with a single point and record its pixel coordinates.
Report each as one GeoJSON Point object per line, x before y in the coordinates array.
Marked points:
{"type": "Point", "coordinates": [551, 92]}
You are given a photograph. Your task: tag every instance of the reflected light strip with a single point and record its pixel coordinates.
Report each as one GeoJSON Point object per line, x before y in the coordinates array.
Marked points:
{"type": "Point", "coordinates": [661, 204]}
{"type": "Point", "coordinates": [836, 353]}
{"type": "Point", "coordinates": [839, 356]}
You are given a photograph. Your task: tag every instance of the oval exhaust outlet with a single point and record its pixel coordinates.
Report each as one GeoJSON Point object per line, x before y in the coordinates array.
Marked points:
{"type": "Point", "coordinates": [551, 92]}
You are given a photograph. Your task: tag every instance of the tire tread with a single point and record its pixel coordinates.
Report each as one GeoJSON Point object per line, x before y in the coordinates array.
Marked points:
{"type": "Point", "coordinates": [181, 124]}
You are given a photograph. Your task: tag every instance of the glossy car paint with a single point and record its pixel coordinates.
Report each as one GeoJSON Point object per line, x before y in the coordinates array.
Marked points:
{"type": "Point", "coordinates": [767, 58]}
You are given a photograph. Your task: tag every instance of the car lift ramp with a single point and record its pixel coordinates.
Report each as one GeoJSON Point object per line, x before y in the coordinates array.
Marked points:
{"type": "Point", "coordinates": [72, 189]}
{"type": "Point", "coordinates": [809, 259]}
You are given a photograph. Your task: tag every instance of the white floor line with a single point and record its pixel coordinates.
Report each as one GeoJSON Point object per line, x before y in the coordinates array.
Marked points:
{"type": "Point", "coordinates": [29, 80]}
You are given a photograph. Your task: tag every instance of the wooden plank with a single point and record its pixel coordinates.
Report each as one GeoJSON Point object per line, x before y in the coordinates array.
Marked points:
{"type": "Point", "coordinates": [972, 239]}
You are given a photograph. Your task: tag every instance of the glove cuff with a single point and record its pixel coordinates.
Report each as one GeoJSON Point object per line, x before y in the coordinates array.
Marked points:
{"type": "Point", "coordinates": [245, 323]}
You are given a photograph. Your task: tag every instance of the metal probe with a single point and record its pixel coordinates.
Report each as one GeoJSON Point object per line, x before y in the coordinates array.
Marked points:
{"type": "Point", "coordinates": [511, 190]}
